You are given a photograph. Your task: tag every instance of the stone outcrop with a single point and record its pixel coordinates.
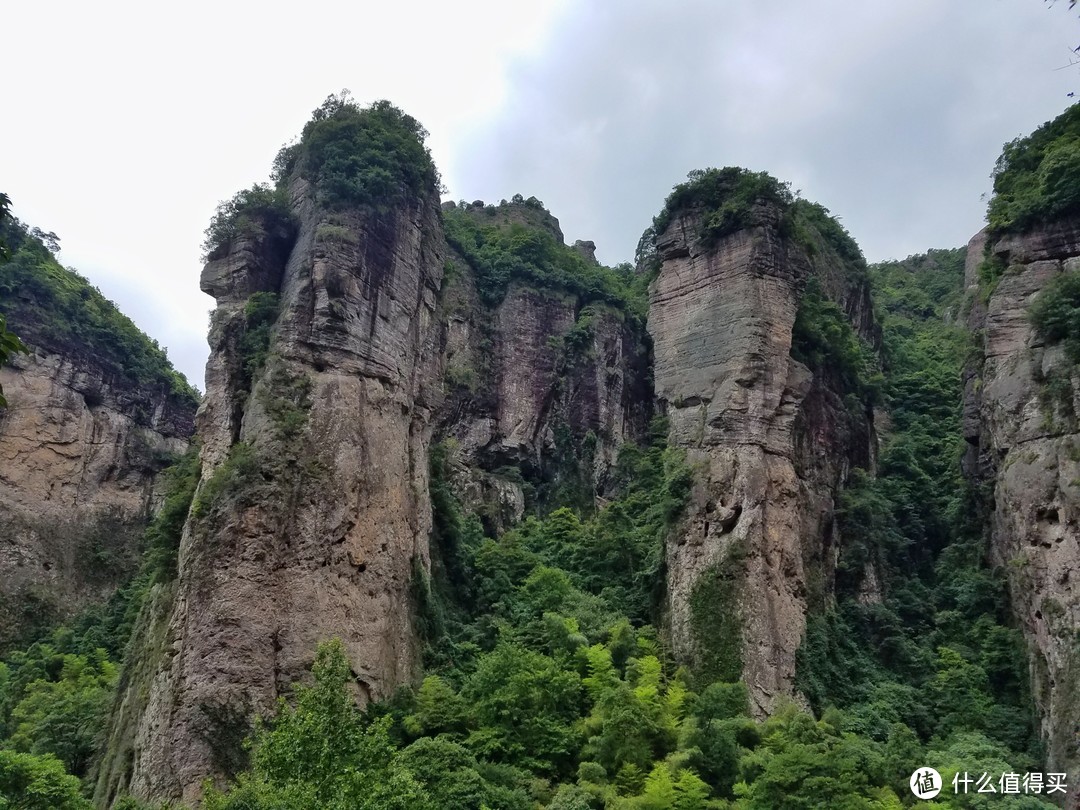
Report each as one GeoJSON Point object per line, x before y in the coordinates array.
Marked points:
{"type": "Point", "coordinates": [312, 515]}
{"type": "Point", "coordinates": [80, 455]}
{"type": "Point", "coordinates": [312, 518]}
{"type": "Point", "coordinates": [541, 382]}
{"type": "Point", "coordinates": [770, 442]}
{"type": "Point", "coordinates": [1024, 444]}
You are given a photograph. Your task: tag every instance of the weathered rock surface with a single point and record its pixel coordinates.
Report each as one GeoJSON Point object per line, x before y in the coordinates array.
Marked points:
{"type": "Point", "coordinates": [312, 519]}
{"type": "Point", "coordinates": [770, 442]}
{"type": "Point", "coordinates": [79, 454]}
{"type": "Point", "coordinates": [520, 394]}
{"type": "Point", "coordinates": [312, 513]}
{"type": "Point", "coordinates": [1023, 441]}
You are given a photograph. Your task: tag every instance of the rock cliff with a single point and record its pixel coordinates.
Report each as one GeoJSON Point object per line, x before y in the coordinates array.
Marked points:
{"type": "Point", "coordinates": [312, 519]}
{"type": "Point", "coordinates": [544, 380]}
{"type": "Point", "coordinates": [1024, 446]}
{"type": "Point", "coordinates": [81, 441]}
{"type": "Point", "coordinates": [771, 440]}
{"type": "Point", "coordinates": [312, 513]}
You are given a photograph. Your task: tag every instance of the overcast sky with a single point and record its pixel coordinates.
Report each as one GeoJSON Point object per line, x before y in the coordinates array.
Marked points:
{"type": "Point", "coordinates": [125, 123]}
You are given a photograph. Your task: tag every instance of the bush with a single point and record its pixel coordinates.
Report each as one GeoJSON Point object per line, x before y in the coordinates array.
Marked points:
{"type": "Point", "coordinates": [29, 782]}
{"type": "Point", "coordinates": [502, 251]}
{"type": "Point", "coordinates": [260, 312]}
{"type": "Point", "coordinates": [812, 218]}
{"type": "Point", "coordinates": [726, 197]}
{"type": "Point", "coordinates": [372, 156]}
{"type": "Point", "coordinates": [1037, 178]}
{"type": "Point", "coordinates": [1055, 314]}
{"type": "Point", "coordinates": [163, 534]}
{"type": "Point", "coordinates": [257, 211]}
{"type": "Point", "coordinates": [825, 341]}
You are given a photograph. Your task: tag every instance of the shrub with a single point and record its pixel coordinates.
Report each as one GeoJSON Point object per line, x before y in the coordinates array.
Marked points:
{"type": "Point", "coordinates": [257, 211]}
{"type": "Point", "coordinates": [1055, 314]}
{"type": "Point", "coordinates": [811, 218]}
{"type": "Point", "coordinates": [1037, 178]}
{"type": "Point", "coordinates": [824, 340]}
{"type": "Point", "coordinates": [260, 312]}
{"type": "Point", "coordinates": [372, 156]}
{"type": "Point", "coordinates": [329, 232]}
{"type": "Point", "coordinates": [502, 251]}
{"type": "Point", "coordinates": [726, 196]}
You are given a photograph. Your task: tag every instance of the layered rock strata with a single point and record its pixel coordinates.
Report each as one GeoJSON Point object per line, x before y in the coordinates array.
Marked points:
{"type": "Point", "coordinates": [541, 382]}
{"type": "Point", "coordinates": [770, 442]}
{"type": "Point", "coordinates": [1024, 445]}
{"type": "Point", "coordinates": [312, 517]}
{"type": "Point", "coordinates": [80, 455]}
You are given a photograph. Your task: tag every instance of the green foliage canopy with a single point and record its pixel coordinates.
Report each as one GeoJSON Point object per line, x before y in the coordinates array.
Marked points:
{"type": "Point", "coordinates": [1055, 313]}
{"type": "Point", "coordinates": [1037, 177]}
{"type": "Point", "coordinates": [501, 251]}
{"type": "Point", "coordinates": [257, 212]}
{"type": "Point", "coordinates": [373, 156]}
{"type": "Point", "coordinates": [57, 309]}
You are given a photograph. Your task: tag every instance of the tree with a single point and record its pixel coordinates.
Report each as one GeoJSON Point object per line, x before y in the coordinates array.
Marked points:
{"type": "Point", "coordinates": [64, 717]}
{"type": "Point", "coordinates": [9, 346]}
{"type": "Point", "coordinates": [320, 754]}
{"type": "Point", "coordinates": [9, 342]}
{"type": "Point", "coordinates": [29, 782]}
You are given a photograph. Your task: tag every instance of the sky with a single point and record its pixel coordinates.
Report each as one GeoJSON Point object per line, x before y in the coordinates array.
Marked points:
{"type": "Point", "coordinates": [125, 123]}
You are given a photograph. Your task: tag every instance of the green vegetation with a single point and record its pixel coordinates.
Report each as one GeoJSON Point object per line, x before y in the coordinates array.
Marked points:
{"type": "Point", "coordinates": [260, 312]}
{"type": "Point", "coordinates": [9, 342]}
{"type": "Point", "coordinates": [1055, 314]}
{"type": "Point", "coordinates": [287, 402]}
{"type": "Point", "coordinates": [814, 220]}
{"type": "Point", "coordinates": [1037, 177]}
{"type": "Point", "coordinates": [501, 249]}
{"type": "Point", "coordinates": [373, 156]}
{"type": "Point", "coordinates": [547, 683]}
{"type": "Point", "coordinates": [321, 755]}
{"type": "Point", "coordinates": [731, 199]}
{"type": "Point", "coordinates": [29, 782]}
{"type": "Point", "coordinates": [330, 232]}
{"type": "Point", "coordinates": [57, 310]}
{"type": "Point", "coordinates": [229, 479]}
{"type": "Point", "coordinates": [990, 271]}
{"type": "Point", "coordinates": [547, 680]}
{"type": "Point", "coordinates": [726, 198]}
{"type": "Point", "coordinates": [56, 693]}
{"type": "Point", "coordinates": [933, 663]}
{"type": "Point", "coordinates": [257, 212]}
{"type": "Point", "coordinates": [162, 544]}
{"type": "Point", "coordinates": [825, 341]}
{"type": "Point", "coordinates": [715, 619]}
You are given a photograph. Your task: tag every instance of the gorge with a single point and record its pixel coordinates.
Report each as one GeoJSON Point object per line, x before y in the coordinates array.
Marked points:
{"type": "Point", "coordinates": [746, 523]}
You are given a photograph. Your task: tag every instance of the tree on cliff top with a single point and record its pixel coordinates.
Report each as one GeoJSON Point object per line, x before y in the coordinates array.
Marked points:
{"type": "Point", "coordinates": [372, 156]}
{"type": "Point", "coordinates": [9, 342]}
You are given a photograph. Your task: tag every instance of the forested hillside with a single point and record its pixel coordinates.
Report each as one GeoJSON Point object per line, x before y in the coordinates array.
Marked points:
{"type": "Point", "coordinates": [56, 310]}
{"type": "Point", "coordinates": [546, 676]}
{"type": "Point", "coordinates": [548, 682]}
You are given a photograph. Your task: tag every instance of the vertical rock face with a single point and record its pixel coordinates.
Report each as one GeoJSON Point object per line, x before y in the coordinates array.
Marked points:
{"type": "Point", "coordinates": [312, 514]}
{"type": "Point", "coordinates": [312, 518]}
{"type": "Point", "coordinates": [80, 453]}
{"type": "Point", "coordinates": [770, 442]}
{"type": "Point", "coordinates": [1024, 443]}
{"type": "Point", "coordinates": [541, 381]}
